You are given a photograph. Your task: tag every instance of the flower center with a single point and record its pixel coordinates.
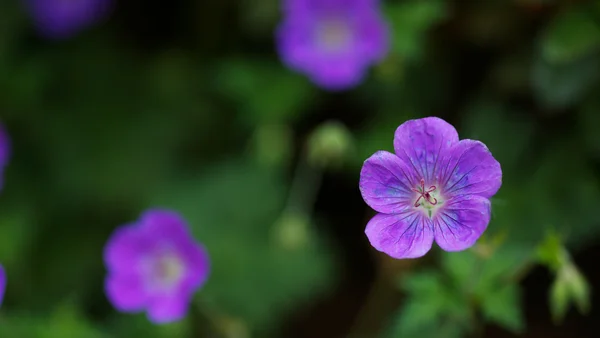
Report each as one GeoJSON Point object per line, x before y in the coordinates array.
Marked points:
{"type": "Point", "coordinates": [333, 35]}
{"type": "Point", "coordinates": [167, 270]}
{"type": "Point", "coordinates": [427, 198]}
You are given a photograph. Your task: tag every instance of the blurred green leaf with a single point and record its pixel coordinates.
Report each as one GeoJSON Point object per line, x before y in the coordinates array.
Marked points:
{"type": "Point", "coordinates": [559, 299]}
{"type": "Point", "coordinates": [572, 34]}
{"type": "Point", "coordinates": [589, 120]}
{"type": "Point", "coordinates": [551, 251]}
{"type": "Point", "coordinates": [503, 307]}
{"type": "Point", "coordinates": [232, 208]}
{"type": "Point", "coordinates": [490, 122]}
{"type": "Point", "coordinates": [65, 321]}
{"type": "Point", "coordinates": [410, 21]}
{"type": "Point", "coordinates": [560, 86]}
{"type": "Point", "coordinates": [263, 93]}
{"type": "Point", "coordinates": [569, 286]}
{"type": "Point", "coordinates": [433, 307]}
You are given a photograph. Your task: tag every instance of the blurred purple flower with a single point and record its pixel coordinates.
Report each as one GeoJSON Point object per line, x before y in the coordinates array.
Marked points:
{"type": "Point", "coordinates": [434, 187]}
{"type": "Point", "coordinates": [332, 41]}
{"type": "Point", "coordinates": [2, 283]}
{"type": "Point", "coordinates": [61, 19]}
{"type": "Point", "coordinates": [155, 265]}
{"type": "Point", "coordinates": [4, 152]}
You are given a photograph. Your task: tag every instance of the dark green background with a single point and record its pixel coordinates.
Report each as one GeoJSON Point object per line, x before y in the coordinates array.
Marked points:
{"type": "Point", "coordinates": [185, 105]}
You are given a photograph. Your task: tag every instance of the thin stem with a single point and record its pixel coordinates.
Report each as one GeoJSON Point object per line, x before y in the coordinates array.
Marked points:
{"type": "Point", "coordinates": [305, 187]}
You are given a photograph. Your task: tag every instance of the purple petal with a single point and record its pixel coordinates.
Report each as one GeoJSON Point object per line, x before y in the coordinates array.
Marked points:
{"type": "Point", "coordinates": [164, 224]}
{"type": "Point", "coordinates": [408, 235]}
{"type": "Point", "coordinates": [4, 147]}
{"type": "Point", "coordinates": [303, 39]}
{"type": "Point", "coordinates": [125, 250]}
{"type": "Point", "coordinates": [2, 283]}
{"type": "Point", "coordinates": [61, 19]}
{"type": "Point", "coordinates": [423, 143]}
{"type": "Point", "coordinates": [168, 308]}
{"type": "Point", "coordinates": [461, 222]}
{"type": "Point", "coordinates": [197, 266]}
{"type": "Point", "coordinates": [470, 169]}
{"type": "Point", "coordinates": [126, 292]}
{"type": "Point", "coordinates": [386, 183]}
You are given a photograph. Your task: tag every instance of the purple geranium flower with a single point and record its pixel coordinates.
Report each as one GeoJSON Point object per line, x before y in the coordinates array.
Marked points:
{"type": "Point", "coordinates": [434, 187]}
{"type": "Point", "coordinates": [2, 283]}
{"type": "Point", "coordinates": [61, 19]}
{"type": "Point", "coordinates": [4, 152]}
{"type": "Point", "coordinates": [332, 41]}
{"type": "Point", "coordinates": [155, 265]}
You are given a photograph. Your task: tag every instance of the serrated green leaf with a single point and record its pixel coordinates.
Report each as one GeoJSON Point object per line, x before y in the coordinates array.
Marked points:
{"type": "Point", "coordinates": [571, 35]}
{"type": "Point", "coordinates": [503, 307]}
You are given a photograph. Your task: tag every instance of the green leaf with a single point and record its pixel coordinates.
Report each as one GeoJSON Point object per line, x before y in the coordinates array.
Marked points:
{"type": "Point", "coordinates": [264, 93]}
{"type": "Point", "coordinates": [409, 22]}
{"type": "Point", "coordinates": [571, 35]}
{"type": "Point", "coordinates": [503, 307]}
{"type": "Point", "coordinates": [232, 208]}
{"type": "Point", "coordinates": [433, 307]}
{"type": "Point", "coordinates": [551, 251]}
{"type": "Point", "coordinates": [570, 286]}
{"type": "Point", "coordinates": [559, 299]}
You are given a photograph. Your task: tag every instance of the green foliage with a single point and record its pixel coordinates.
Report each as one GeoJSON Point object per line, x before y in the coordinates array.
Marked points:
{"type": "Point", "coordinates": [432, 308]}
{"type": "Point", "coordinates": [251, 277]}
{"type": "Point", "coordinates": [410, 21]}
{"type": "Point", "coordinates": [572, 34]}
{"type": "Point", "coordinates": [249, 82]}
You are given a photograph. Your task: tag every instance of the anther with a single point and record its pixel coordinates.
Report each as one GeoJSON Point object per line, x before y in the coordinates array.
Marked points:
{"type": "Point", "coordinates": [425, 194]}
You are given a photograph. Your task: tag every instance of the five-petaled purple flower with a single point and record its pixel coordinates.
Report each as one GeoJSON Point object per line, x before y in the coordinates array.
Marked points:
{"type": "Point", "coordinates": [2, 283]}
{"type": "Point", "coordinates": [4, 153]}
{"type": "Point", "coordinates": [155, 265]}
{"type": "Point", "coordinates": [61, 19]}
{"type": "Point", "coordinates": [332, 41]}
{"type": "Point", "coordinates": [434, 187]}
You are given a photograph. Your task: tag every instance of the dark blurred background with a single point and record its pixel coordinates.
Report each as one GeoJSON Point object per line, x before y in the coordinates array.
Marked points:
{"type": "Point", "coordinates": [186, 105]}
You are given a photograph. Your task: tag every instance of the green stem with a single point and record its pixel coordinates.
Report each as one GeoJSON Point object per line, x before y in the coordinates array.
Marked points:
{"type": "Point", "coordinates": [304, 189]}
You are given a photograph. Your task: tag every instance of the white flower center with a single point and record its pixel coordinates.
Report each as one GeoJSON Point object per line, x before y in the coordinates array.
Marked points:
{"type": "Point", "coordinates": [427, 198]}
{"type": "Point", "coordinates": [333, 35]}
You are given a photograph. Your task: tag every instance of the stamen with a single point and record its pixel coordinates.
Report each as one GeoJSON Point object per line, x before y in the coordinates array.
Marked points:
{"type": "Point", "coordinates": [425, 194]}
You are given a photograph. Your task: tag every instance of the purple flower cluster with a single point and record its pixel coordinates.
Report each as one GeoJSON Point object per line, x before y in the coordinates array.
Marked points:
{"type": "Point", "coordinates": [155, 265]}
{"type": "Point", "coordinates": [61, 19]}
{"type": "Point", "coordinates": [433, 187]}
{"type": "Point", "coordinates": [332, 41]}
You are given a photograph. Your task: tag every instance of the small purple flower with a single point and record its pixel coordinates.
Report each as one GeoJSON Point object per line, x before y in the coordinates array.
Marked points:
{"type": "Point", "coordinates": [2, 283]}
{"type": "Point", "coordinates": [61, 19]}
{"type": "Point", "coordinates": [155, 265]}
{"type": "Point", "coordinates": [4, 152]}
{"type": "Point", "coordinates": [332, 41]}
{"type": "Point", "coordinates": [434, 187]}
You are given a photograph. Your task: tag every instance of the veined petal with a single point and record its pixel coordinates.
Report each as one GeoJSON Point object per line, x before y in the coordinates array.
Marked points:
{"type": "Point", "coordinates": [386, 183]}
{"type": "Point", "coordinates": [422, 143]}
{"type": "Point", "coordinates": [461, 222]}
{"type": "Point", "coordinates": [408, 235]}
{"type": "Point", "coordinates": [470, 168]}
